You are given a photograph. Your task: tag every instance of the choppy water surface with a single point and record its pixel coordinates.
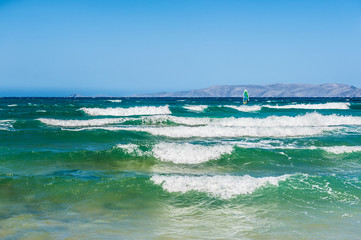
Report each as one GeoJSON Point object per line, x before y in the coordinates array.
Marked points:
{"type": "Point", "coordinates": [135, 168]}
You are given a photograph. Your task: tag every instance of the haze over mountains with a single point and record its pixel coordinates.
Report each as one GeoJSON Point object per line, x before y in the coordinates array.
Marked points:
{"type": "Point", "coordinates": [272, 90]}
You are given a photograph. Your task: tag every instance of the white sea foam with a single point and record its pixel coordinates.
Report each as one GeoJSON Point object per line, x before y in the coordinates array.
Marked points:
{"type": "Point", "coordinates": [12, 105]}
{"type": "Point", "coordinates": [115, 100]}
{"type": "Point", "coordinates": [216, 131]}
{"type": "Point", "coordinates": [307, 120]}
{"type": "Point", "coordinates": [196, 108]}
{"type": "Point", "coordinates": [132, 111]}
{"type": "Point", "coordinates": [265, 144]}
{"type": "Point", "coordinates": [245, 108]}
{"type": "Point", "coordinates": [334, 105]}
{"type": "Point", "coordinates": [131, 149]}
{"type": "Point", "coordinates": [80, 123]}
{"type": "Point", "coordinates": [342, 149]}
{"type": "Point", "coordinates": [274, 126]}
{"type": "Point", "coordinates": [189, 153]}
{"type": "Point", "coordinates": [225, 187]}
{"type": "Point", "coordinates": [6, 124]}
{"type": "Point", "coordinates": [191, 121]}
{"type": "Point", "coordinates": [41, 111]}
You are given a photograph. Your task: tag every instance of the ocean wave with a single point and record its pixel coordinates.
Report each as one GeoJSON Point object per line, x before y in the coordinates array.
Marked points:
{"type": "Point", "coordinates": [273, 126]}
{"type": "Point", "coordinates": [186, 153]}
{"type": "Point", "coordinates": [245, 108]}
{"type": "Point", "coordinates": [80, 123]}
{"type": "Point", "coordinates": [196, 108]}
{"type": "Point", "coordinates": [224, 187]}
{"type": "Point", "coordinates": [6, 125]}
{"type": "Point", "coordinates": [131, 149]}
{"type": "Point", "coordinates": [231, 132]}
{"type": "Point", "coordinates": [219, 132]}
{"type": "Point", "coordinates": [335, 105]}
{"type": "Point", "coordinates": [179, 153]}
{"type": "Point", "coordinates": [307, 120]}
{"type": "Point", "coordinates": [115, 101]}
{"type": "Point", "coordinates": [342, 149]}
{"type": "Point", "coordinates": [132, 111]}
{"type": "Point", "coordinates": [12, 105]}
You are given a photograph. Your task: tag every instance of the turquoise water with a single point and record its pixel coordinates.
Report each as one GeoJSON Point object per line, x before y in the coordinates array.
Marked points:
{"type": "Point", "coordinates": [133, 168]}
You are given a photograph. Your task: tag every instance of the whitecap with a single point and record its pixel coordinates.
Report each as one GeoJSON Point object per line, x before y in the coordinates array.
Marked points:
{"type": "Point", "coordinates": [132, 111]}
{"type": "Point", "coordinates": [245, 108]}
{"type": "Point", "coordinates": [217, 131]}
{"type": "Point", "coordinates": [196, 108]}
{"type": "Point", "coordinates": [6, 125]}
{"type": "Point", "coordinates": [342, 149]}
{"type": "Point", "coordinates": [222, 186]}
{"type": "Point", "coordinates": [186, 153]}
{"type": "Point", "coordinates": [307, 120]}
{"type": "Point", "coordinates": [334, 105]}
{"type": "Point", "coordinates": [80, 123]}
{"type": "Point", "coordinates": [131, 149]}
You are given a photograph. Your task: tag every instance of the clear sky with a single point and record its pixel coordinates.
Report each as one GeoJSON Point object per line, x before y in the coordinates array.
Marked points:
{"type": "Point", "coordinates": [142, 46]}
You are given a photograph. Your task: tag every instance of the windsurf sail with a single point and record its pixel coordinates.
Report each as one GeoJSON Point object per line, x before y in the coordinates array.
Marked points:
{"type": "Point", "coordinates": [245, 97]}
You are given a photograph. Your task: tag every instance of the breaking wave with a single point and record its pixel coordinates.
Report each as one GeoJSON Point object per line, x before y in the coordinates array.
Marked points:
{"type": "Point", "coordinates": [217, 131]}
{"type": "Point", "coordinates": [312, 106]}
{"type": "Point", "coordinates": [185, 153]}
{"type": "Point", "coordinates": [307, 120]}
{"type": "Point", "coordinates": [224, 187]}
{"type": "Point", "coordinates": [196, 108]}
{"type": "Point", "coordinates": [342, 149]}
{"type": "Point", "coordinates": [6, 125]}
{"type": "Point", "coordinates": [245, 108]}
{"type": "Point", "coordinates": [80, 123]}
{"type": "Point", "coordinates": [132, 111]}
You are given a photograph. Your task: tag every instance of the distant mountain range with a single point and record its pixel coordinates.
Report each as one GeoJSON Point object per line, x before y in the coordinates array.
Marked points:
{"type": "Point", "coordinates": [272, 90]}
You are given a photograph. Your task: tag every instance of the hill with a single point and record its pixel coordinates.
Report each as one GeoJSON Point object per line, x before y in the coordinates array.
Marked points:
{"type": "Point", "coordinates": [272, 90]}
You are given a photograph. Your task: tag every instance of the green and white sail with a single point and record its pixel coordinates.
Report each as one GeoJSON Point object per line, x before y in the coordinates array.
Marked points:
{"type": "Point", "coordinates": [245, 97]}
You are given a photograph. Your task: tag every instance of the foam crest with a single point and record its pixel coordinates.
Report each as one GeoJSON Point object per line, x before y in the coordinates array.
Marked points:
{"type": "Point", "coordinates": [342, 149]}
{"type": "Point", "coordinates": [6, 125]}
{"type": "Point", "coordinates": [131, 149]}
{"type": "Point", "coordinates": [185, 153]}
{"type": "Point", "coordinates": [196, 108]}
{"type": "Point", "coordinates": [115, 100]}
{"type": "Point", "coordinates": [191, 121]}
{"type": "Point", "coordinates": [216, 131]}
{"type": "Point", "coordinates": [132, 111]}
{"type": "Point", "coordinates": [245, 108]}
{"type": "Point", "coordinates": [12, 105]}
{"type": "Point", "coordinates": [335, 105]}
{"type": "Point", "coordinates": [80, 123]}
{"type": "Point", "coordinates": [219, 132]}
{"type": "Point", "coordinates": [224, 187]}
{"type": "Point", "coordinates": [307, 120]}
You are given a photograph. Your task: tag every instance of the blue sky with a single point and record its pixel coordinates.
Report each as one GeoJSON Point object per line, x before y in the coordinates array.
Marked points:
{"type": "Point", "coordinates": [124, 47]}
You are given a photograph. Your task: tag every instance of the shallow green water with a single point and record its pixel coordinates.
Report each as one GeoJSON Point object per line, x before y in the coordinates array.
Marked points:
{"type": "Point", "coordinates": [180, 168]}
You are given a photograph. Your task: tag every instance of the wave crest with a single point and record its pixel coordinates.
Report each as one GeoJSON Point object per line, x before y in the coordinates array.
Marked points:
{"type": "Point", "coordinates": [224, 187]}
{"type": "Point", "coordinates": [334, 105]}
{"type": "Point", "coordinates": [185, 153]}
{"type": "Point", "coordinates": [132, 111]}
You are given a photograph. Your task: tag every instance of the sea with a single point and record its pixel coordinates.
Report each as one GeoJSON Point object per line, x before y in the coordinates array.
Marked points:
{"type": "Point", "coordinates": [180, 168]}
